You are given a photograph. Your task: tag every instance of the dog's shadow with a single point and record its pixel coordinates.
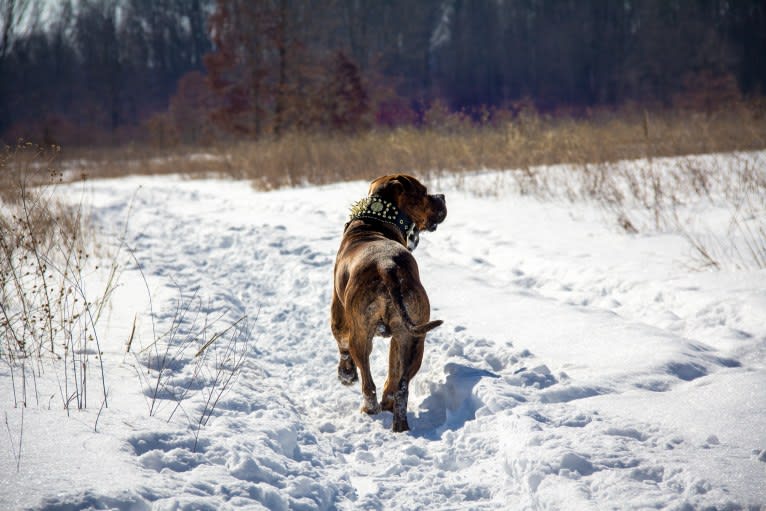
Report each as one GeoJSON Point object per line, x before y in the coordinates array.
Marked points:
{"type": "Point", "coordinates": [450, 404]}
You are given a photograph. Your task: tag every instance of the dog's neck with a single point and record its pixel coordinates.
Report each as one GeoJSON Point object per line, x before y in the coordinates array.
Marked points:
{"type": "Point", "coordinates": [377, 208]}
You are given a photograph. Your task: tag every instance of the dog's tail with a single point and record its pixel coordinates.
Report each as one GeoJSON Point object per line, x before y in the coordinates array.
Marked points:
{"type": "Point", "coordinates": [425, 327]}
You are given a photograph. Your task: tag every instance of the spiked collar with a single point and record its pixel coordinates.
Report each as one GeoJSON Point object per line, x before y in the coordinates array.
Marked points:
{"type": "Point", "coordinates": [376, 208]}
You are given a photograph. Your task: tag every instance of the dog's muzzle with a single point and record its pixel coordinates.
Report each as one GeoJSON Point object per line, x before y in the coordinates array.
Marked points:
{"type": "Point", "coordinates": [438, 211]}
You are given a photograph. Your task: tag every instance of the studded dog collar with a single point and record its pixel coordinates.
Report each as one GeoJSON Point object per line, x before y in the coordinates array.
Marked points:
{"type": "Point", "coordinates": [376, 208]}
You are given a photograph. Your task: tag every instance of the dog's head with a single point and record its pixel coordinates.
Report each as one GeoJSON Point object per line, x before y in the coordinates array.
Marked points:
{"type": "Point", "coordinates": [412, 198]}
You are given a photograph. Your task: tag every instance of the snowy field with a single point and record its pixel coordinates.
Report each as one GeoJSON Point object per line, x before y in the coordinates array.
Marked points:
{"type": "Point", "coordinates": [578, 367]}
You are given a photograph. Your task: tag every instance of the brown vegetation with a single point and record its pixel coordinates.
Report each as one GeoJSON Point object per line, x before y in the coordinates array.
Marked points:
{"type": "Point", "coordinates": [641, 196]}
{"type": "Point", "coordinates": [447, 142]}
{"type": "Point", "coordinates": [44, 253]}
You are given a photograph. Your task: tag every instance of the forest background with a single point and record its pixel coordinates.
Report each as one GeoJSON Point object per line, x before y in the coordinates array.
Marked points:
{"type": "Point", "coordinates": [685, 76]}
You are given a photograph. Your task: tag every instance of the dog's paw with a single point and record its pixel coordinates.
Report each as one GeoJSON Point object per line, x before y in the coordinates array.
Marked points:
{"type": "Point", "coordinates": [387, 403]}
{"type": "Point", "coordinates": [400, 425]}
{"type": "Point", "coordinates": [347, 377]}
{"type": "Point", "coordinates": [347, 370]}
{"type": "Point", "coordinates": [370, 406]}
{"type": "Point", "coordinates": [400, 408]}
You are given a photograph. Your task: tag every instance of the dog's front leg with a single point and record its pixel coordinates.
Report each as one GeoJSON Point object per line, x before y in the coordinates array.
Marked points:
{"type": "Point", "coordinates": [346, 366]}
{"type": "Point", "coordinates": [346, 369]}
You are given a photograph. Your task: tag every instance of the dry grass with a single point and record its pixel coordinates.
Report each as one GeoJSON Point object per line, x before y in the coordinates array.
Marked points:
{"type": "Point", "coordinates": [641, 196]}
{"type": "Point", "coordinates": [451, 143]}
{"type": "Point", "coordinates": [47, 320]}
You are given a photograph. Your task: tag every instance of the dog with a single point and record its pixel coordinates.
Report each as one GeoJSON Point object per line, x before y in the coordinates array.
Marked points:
{"type": "Point", "coordinates": [377, 289]}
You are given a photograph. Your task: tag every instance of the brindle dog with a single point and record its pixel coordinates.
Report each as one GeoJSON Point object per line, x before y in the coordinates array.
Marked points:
{"type": "Point", "coordinates": [378, 290]}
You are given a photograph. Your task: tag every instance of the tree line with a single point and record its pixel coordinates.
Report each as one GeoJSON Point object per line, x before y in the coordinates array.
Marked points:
{"type": "Point", "coordinates": [107, 71]}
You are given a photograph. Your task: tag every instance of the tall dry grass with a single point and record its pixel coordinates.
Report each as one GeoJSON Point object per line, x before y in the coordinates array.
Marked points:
{"type": "Point", "coordinates": [47, 319]}
{"type": "Point", "coordinates": [644, 195]}
{"type": "Point", "coordinates": [446, 142]}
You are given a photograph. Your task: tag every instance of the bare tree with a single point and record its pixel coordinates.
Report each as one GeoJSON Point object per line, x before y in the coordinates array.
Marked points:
{"type": "Point", "coordinates": [12, 14]}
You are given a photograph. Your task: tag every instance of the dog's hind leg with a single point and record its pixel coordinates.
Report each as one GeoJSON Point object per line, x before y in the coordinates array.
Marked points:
{"type": "Point", "coordinates": [410, 357]}
{"type": "Point", "coordinates": [360, 349]}
{"type": "Point", "coordinates": [393, 376]}
{"type": "Point", "coordinates": [400, 365]}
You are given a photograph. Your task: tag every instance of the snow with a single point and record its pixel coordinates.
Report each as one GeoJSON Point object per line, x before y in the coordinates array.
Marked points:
{"type": "Point", "coordinates": [579, 367]}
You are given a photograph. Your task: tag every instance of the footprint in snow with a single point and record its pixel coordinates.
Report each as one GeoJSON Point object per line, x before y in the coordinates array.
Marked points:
{"type": "Point", "coordinates": [450, 404]}
{"type": "Point", "coordinates": [572, 462]}
{"type": "Point", "coordinates": [628, 433]}
{"type": "Point", "coordinates": [159, 451]}
{"type": "Point", "coordinates": [539, 377]}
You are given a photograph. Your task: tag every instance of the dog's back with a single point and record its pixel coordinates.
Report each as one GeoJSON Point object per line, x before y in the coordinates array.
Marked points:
{"type": "Point", "coordinates": [373, 273]}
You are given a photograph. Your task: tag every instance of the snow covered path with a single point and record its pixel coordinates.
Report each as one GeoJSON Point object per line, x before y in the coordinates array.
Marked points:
{"type": "Point", "coordinates": [578, 367]}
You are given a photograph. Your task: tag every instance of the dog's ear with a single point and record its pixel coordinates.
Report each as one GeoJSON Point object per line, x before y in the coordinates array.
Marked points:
{"type": "Point", "coordinates": [387, 187]}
